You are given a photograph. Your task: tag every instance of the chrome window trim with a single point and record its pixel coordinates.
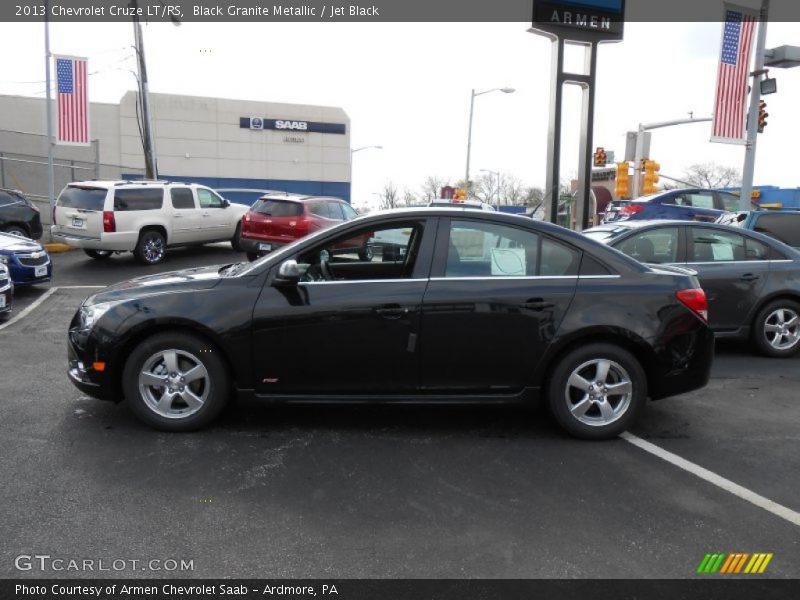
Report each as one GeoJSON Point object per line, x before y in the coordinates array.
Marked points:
{"type": "Point", "coordinates": [484, 278]}
{"type": "Point", "coordinates": [340, 281]}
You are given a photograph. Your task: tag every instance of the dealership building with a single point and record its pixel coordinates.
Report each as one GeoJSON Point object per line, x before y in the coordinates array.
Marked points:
{"type": "Point", "coordinates": [232, 145]}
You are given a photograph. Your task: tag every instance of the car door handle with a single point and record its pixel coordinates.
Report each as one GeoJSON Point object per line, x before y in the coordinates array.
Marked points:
{"type": "Point", "coordinates": [749, 277]}
{"type": "Point", "coordinates": [177, 216]}
{"type": "Point", "coordinates": [536, 304]}
{"type": "Point", "coordinates": [392, 311]}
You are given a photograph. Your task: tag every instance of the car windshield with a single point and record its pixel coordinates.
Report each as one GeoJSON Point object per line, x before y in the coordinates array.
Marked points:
{"type": "Point", "coordinates": [87, 198]}
{"type": "Point", "coordinates": [277, 208]}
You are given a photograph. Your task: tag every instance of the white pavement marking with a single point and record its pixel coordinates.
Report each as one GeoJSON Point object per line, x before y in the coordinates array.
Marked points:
{"type": "Point", "coordinates": [42, 298]}
{"type": "Point", "coordinates": [711, 477]}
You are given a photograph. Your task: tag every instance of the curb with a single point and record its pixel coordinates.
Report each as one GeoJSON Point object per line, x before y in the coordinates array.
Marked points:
{"type": "Point", "coordinates": [55, 247]}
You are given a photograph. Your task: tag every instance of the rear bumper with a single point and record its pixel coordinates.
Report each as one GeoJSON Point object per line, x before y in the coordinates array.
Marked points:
{"type": "Point", "coordinates": [115, 242]}
{"type": "Point", "coordinates": [691, 355]}
{"type": "Point", "coordinates": [254, 246]}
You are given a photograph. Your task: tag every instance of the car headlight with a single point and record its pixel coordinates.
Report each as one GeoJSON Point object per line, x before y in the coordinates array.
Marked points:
{"type": "Point", "coordinates": [3, 259]}
{"type": "Point", "coordinates": [89, 315]}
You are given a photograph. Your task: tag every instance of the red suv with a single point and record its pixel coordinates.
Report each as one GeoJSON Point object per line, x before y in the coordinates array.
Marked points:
{"type": "Point", "coordinates": [275, 220]}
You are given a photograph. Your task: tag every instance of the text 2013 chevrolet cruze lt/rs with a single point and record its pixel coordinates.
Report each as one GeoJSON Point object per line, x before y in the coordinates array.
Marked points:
{"type": "Point", "coordinates": [467, 306]}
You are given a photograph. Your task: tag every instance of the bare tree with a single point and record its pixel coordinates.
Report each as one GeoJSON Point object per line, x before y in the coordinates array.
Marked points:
{"type": "Point", "coordinates": [484, 188]}
{"type": "Point", "coordinates": [389, 197]}
{"type": "Point", "coordinates": [432, 187]}
{"type": "Point", "coordinates": [512, 190]}
{"type": "Point", "coordinates": [712, 175]}
{"type": "Point", "coordinates": [410, 198]}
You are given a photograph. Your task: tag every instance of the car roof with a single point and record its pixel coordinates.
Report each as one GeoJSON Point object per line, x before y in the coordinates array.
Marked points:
{"type": "Point", "coordinates": [288, 196]}
{"type": "Point", "coordinates": [113, 183]}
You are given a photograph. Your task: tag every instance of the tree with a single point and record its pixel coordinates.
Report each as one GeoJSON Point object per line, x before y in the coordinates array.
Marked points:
{"type": "Point", "coordinates": [712, 175]}
{"type": "Point", "coordinates": [432, 187]}
{"type": "Point", "coordinates": [389, 197]}
{"type": "Point", "coordinates": [410, 198]}
{"type": "Point", "coordinates": [512, 190]}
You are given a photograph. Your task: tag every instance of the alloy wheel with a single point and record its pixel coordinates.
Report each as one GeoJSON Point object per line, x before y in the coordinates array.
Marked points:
{"type": "Point", "coordinates": [782, 328]}
{"type": "Point", "coordinates": [174, 383]}
{"type": "Point", "coordinates": [598, 392]}
{"type": "Point", "coordinates": [153, 250]}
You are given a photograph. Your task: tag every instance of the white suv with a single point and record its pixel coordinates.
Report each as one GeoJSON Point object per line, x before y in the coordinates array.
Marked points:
{"type": "Point", "coordinates": [143, 217]}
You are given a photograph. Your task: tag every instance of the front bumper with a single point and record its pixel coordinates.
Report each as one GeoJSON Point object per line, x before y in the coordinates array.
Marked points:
{"type": "Point", "coordinates": [6, 297]}
{"type": "Point", "coordinates": [89, 381]}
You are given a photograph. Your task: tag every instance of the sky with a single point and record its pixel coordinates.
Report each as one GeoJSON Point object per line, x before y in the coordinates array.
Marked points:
{"type": "Point", "coordinates": [407, 88]}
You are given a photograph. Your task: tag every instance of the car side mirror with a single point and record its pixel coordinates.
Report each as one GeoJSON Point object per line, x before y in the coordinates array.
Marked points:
{"type": "Point", "coordinates": [225, 203]}
{"type": "Point", "coordinates": [288, 273]}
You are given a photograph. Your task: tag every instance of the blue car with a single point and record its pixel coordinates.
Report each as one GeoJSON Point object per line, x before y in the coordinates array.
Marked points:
{"type": "Point", "coordinates": [27, 261]}
{"type": "Point", "coordinates": [683, 205]}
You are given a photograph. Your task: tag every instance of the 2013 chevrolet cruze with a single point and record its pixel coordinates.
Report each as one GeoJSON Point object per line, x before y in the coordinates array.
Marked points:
{"type": "Point", "coordinates": [464, 305]}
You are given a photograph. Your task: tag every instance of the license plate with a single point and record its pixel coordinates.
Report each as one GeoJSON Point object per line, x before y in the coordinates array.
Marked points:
{"type": "Point", "coordinates": [40, 271]}
{"type": "Point", "coordinates": [265, 247]}
{"type": "Point", "coordinates": [2, 300]}
{"type": "Point", "coordinates": [77, 222]}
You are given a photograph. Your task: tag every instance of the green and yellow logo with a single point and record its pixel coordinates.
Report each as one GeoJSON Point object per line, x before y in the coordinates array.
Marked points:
{"type": "Point", "coordinates": [737, 562]}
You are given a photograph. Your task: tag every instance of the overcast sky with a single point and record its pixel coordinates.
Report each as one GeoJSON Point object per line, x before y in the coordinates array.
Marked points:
{"type": "Point", "coordinates": [406, 86]}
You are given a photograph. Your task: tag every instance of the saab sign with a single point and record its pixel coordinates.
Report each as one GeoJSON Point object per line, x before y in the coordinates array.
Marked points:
{"type": "Point", "coordinates": [291, 125]}
{"type": "Point", "coordinates": [580, 20]}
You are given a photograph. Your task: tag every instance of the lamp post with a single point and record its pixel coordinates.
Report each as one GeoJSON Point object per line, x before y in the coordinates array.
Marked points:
{"type": "Point", "coordinates": [353, 151]}
{"type": "Point", "coordinates": [496, 174]}
{"type": "Point", "coordinates": [473, 95]}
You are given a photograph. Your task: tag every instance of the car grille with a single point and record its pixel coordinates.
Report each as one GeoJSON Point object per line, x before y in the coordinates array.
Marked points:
{"type": "Point", "coordinates": [29, 261]}
{"type": "Point", "coordinates": [3, 283]}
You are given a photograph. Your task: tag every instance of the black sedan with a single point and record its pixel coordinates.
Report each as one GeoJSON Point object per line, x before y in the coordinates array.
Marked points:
{"type": "Point", "coordinates": [752, 281]}
{"type": "Point", "coordinates": [478, 306]}
{"type": "Point", "coordinates": [18, 215]}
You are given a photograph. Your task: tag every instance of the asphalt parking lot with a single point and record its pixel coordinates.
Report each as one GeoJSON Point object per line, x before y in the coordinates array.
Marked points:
{"type": "Point", "coordinates": [445, 492]}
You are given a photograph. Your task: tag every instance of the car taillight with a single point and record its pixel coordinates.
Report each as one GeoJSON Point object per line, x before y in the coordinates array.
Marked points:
{"type": "Point", "coordinates": [109, 224]}
{"type": "Point", "coordinates": [695, 300]}
{"type": "Point", "coordinates": [632, 209]}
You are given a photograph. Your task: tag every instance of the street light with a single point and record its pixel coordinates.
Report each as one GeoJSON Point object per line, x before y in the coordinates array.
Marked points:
{"type": "Point", "coordinates": [353, 151]}
{"type": "Point", "coordinates": [496, 174]}
{"type": "Point", "coordinates": [505, 90]}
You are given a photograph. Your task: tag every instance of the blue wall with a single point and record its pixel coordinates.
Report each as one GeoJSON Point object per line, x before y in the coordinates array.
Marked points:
{"type": "Point", "coordinates": [339, 189]}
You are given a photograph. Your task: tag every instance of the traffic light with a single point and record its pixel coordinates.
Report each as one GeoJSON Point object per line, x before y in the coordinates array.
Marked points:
{"type": "Point", "coordinates": [762, 116]}
{"type": "Point", "coordinates": [651, 167]}
{"type": "Point", "coordinates": [600, 158]}
{"type": "Point", "coordinates": [622, 187]}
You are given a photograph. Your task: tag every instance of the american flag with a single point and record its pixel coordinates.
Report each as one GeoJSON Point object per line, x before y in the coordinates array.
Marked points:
{"type": "Point", "coordinates": [730, 105]}
{"type": "Point", "coordinates": [73, 100]}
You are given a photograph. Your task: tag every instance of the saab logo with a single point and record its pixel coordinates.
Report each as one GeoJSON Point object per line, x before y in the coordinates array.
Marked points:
{"type": "Point", "coordinates": [299, 125]}
{"type": "Point", "coordinates": [735, 563]}
{"type": "Point", "coordinates": [256, 123]}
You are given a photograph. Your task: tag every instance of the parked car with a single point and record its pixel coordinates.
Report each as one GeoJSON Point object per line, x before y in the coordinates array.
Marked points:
{"type": "Point", "coordinates": [143, 217]}
{"type": "Point", "coordinates": [462, 204]}
{"type": "Point", "coordinates": [752, 281]}
{"type": "Point", "coordinates": [278, 219]}
{"type": "Point", "coordinates": [480, 306]}
{"type": "Point", "coordinates": [682, 204]}
{"type": "Point", "coordinates": [6, 291]}
{"type": "Point", "coordinates": [613, 209]}
{"type": "Point", "coordinates": [783, 225]}
{"type": "Point", "coordinates": [28, 262]}
{"type": "Point", "coordinates": [18, 215]}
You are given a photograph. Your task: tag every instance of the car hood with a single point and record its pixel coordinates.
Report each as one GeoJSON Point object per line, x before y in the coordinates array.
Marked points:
{"type": "Point", "coordinates": [13, 243]}
{"type": "Point", "coordinates": [187, 280]}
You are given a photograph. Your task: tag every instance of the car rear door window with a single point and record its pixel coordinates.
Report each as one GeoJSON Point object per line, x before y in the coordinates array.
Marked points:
{"type": "Point", "coordinates": [138, 199]}
{"type": "Point", "coordinates": [182, 198]}
{"type": "Point", "coordinates": [783, 227]}
{"type": "Point", "coordinates": [711, 245]}
{"type": "Point", "coordinates": [85, 198]}
{"type": "Point", "coordinates": [334, 211]}
{"type": "Point", "coordinates": [755, 250]}
{"type": "Point", "coordinates": [277, 208]}
{"type": "Point", "coordinates": [652, 246]}
{"type": "Point", "coordinates": [729, 202]}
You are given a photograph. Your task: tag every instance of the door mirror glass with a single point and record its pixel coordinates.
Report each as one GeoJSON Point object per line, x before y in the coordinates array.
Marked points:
{"type": "Point", "coordinates": [288, 272]}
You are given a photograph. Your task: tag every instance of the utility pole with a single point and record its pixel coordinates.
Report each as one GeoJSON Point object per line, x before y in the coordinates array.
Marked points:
{"type": "Point", "coordinates": [51, 186]}
{"type": "Point", "coordinates": [752, 115]}
{"type": "Point", "coordinates": [150, 164]}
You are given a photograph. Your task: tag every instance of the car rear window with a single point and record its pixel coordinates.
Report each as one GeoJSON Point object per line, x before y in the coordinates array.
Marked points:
{"type": "Point", "coordinates": [278, 208]}
{"type": "Point", "coordinates": [86, 198]}
{"type": "Point", "coordinates": [138, 199]}
{"type": "Point", "coordinates": [783, 227]}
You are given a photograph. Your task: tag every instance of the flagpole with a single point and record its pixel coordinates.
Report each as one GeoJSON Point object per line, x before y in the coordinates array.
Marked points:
{"type": "Point", "coordinates": [752, 116]}
{"type": "Point", "coordinates": [49, 110]}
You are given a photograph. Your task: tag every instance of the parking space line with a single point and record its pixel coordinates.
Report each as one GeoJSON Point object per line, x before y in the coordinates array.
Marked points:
{"type": "Point", "coordinates": [28, 309]}
{"type": "Point", "coordinates": [711, 477]}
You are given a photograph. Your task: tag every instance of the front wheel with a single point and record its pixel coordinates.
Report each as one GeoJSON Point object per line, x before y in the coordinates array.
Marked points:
{"type": "Point", "coordinates": [776, 329]}
{"type": "Point", "coordinates": [150, 248]}
{"type": "Point", "coordinates": [17, 230]}
{"type": "Point", "coordinates": [98, 254]}
{"type": "Point", "coordinates": [366, 253]}
{"type": "Point", "coordinates": [596, 391]}
{"type": "Point", "coordinates": [175, 382]}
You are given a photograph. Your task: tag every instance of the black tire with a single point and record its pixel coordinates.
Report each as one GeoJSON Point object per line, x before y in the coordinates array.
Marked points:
{"type": "Point", "coordinates": [366, 253]}
{"type": "Point", "coordinates": [151, 247]}
{"type": "Point", "coordinates": [190, 351]}
{"type": "Point", "coordinates": [236, 240]}
{"type": "Point", "coordinates": [19, 230]}
{"type": "Point", "coordinates": [98, 254]}
{"type": "Point", "coordinates": [593, 423]}
{"type": "Point", "coordinates": [251, 256]}
{"type": "Point", "coordinates": [778, 313]}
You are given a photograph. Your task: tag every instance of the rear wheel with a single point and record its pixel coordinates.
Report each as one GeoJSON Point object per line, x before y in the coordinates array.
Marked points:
{"type": "Point", "coordinates": [236, 240]}
{"type": "Point", "coordinates": [596, 391]}
{"type": "Point", "coordinates": [175, 382]}
{"type": "Point", "coordinates": [150, 248]}
{"type": "Point", "coordinates": [98, 254]}
{"type": "Point", "coordinates": [366, 253]}
{"type": "Point", "coordinates": [18, 230]}
{"type": "Point", "coordinates": [776, 329]}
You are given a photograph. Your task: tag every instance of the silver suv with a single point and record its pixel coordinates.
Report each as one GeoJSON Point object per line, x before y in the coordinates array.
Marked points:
{"type": "Point", "coordinates": [143, 217]}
